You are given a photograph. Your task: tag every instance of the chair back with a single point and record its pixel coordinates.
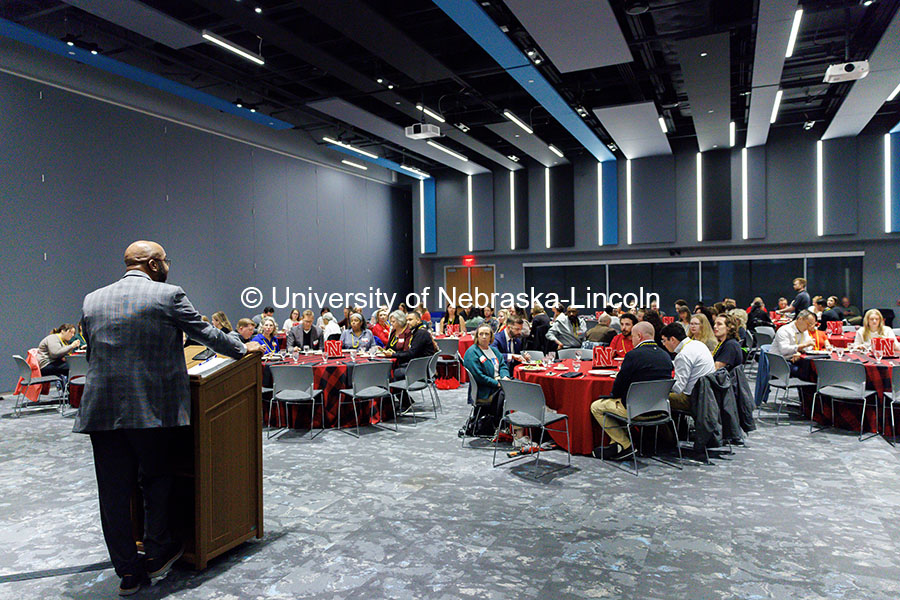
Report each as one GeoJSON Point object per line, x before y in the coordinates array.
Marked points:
{"type": "Point", "coordinates": [534, 354]}
{"type": "Point", "coordinates": [78, 365]}
{"type": "Point", "coordinates": [648, 397]}
{"type": "Point", "coordinates": [432, 365]}
{"type": "Point", "coordinates": [567, 353]}
{"type": "Point", "coordinates": [292, 377]}
{"type": "Point", "coordinates": [896, 331]}
{"type": "Point", "coordinates": [849, 375]}
{"type": "Point", "coordinates": [523, 396]}
{"type": "Point", "coordinates": [373, 374]}
{"type": "Point", "coordinates": [417, 369]}
{"type": "Point", "coordinates": [763, 337]}
{"type": "Point", "coordinates": [850, 328]}
{"type": "Point", "coordinates": [24, 369]}
{"type": "Point", "coordinates": [765, 329]}
{"type": "Point", "coordinates": [895, 383]}
{"type": "Point", "coordinates": [473, 386]}
{"type": "Point", "coordinates": [447, 346]}
{"type": "Point", "coordinates": [589, 324]}
{"type": "Point", "coordinates": [779, 369]}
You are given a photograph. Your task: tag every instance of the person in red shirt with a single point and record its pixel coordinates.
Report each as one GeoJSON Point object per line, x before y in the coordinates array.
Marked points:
{"type": "Point", "coordinates": [381, 329]}
{"type": "Point", "coordinates": [622, 344]}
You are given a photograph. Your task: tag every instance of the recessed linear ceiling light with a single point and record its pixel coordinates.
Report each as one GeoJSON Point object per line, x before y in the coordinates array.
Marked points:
{"type": "Point", "coordinates": [509, 115]}
{"type": "Point", "coordinates": [662, 125]}
{"type": "Point", "coordinates": [415, 170]}
{"type": "Point", "coordinates": [704, 54]}
{"type": "Point", "coordinates": [556, 151]}
{"type": "Point", "coordinates": [795, 28]}
{"type": "Point", "coordinates": [732, 134]}
{"type": "Point", "coordinates": [447, 150]}
{"type": "Point", "coordinates": [434, 115]}
{"type": "Point", "coordinates": [223, 43]}
{"type": "Point", "coordinates": [894, 93]}
{"type": "Point", "coordinates": [349, 147]}
{"type": "Point", "coordinates": [774, 116]}
{"type": "Point", "coordinates": [357, 165]}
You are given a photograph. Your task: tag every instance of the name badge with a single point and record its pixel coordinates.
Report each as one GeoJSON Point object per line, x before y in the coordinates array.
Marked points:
{"type": "Point", "coordinates": [483, 359]}
{"type": "Point", "coordinates": [400, 340]}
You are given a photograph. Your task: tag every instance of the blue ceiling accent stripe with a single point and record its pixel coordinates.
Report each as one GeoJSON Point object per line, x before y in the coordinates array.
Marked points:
{"type": "Point", "coordinates": [896, 128]}
{"type": "Point", "coordinates": [610, 203]}
{"type": "Point", "coordinates": [382, 162]}
{"type": "Point", "coordinates": [430, 216]}
{"type": "Point", "coordinates": [481, 28]}
{"type": "Point", "coordinates": [55, 46]}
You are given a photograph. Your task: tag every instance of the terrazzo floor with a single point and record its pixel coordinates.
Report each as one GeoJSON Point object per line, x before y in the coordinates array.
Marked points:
{"type": "Point", "coordinates": [414, 515]}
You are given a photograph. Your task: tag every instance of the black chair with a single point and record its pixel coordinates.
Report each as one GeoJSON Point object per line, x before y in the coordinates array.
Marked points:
{"type": "Point", "coordinates": [28, 380]}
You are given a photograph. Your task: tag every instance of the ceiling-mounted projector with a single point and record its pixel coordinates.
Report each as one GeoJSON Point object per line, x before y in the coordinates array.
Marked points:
{"type": "Point", "coordinates": [423, 131]}
{"type": "Point", "coordinates": [850, 71]}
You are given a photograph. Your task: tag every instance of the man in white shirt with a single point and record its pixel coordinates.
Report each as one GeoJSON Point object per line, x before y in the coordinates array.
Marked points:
{"type": "Point", "coordinates": [793, 338]}
{"type": "Point", "coordinates": [693, 360]}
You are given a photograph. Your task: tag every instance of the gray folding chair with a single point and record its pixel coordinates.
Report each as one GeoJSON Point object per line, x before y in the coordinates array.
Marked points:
{"type": "Point", "coordinates": [449, 347]}
{"type": "Point", "coordinates": [780, 379]}
{"type": "Point", "coordinates": [293, 384]}
{"type": "Point", "coordinates": [78, 366]}
{"type": "Point", "coordinates": [767, 331]}
{"type": "Point", "coordinates": [850, 328]}
{"type": "Point", "coordinates": [371, 381]}
{"type": "Point", "coordinates": [647, 405]}
{"type": "Point", "coordinates": [893, 398]}
{"type": "Point", "coordinates": [416, 381]}
{"type": "Point", "coordinates": [760, 339]}
{"type": "Point", "coordinates": [524, 406]}
{"type": "Point", "coordinates": [28, 380]}
{"type": "Point", "coordinates": [432, 378]}
{"type": "Point", "coordinates": [475, 411]}
{"type": "Point", "coordinates": [845, 382]}
{"type": "Point", "coordinates": [569, 353]}
{"type": "Point", "coordinates": [535, 355]}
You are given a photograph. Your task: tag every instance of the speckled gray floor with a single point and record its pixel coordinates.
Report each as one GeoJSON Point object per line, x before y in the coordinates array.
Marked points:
{"type": "Point", "coordinates": [412, 515]}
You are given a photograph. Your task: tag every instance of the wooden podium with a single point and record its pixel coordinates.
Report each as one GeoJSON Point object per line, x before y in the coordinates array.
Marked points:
{"type": "Point", "coordinates": [217, 496]}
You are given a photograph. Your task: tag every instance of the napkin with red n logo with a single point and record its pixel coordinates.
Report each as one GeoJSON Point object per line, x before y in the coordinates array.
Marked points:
{"type": "Point", "coordinates": [333, 349]}
{"type": "Point", "coordinates": [835, 327]}
{"type": "Point", "coordinates": [603, 356]}
{"type": "Point", "coordinates": [885, 345]}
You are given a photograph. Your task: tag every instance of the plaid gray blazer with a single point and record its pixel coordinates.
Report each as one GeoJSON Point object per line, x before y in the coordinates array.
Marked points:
{"type": "Point", "coordinates": [136, 376]}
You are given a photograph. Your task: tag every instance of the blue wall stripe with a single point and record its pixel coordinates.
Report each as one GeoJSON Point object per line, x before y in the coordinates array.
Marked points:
{"type": "Point", "coordinates": [895, 182]}
{"type": "Point", "coordinates": [430, 216]}
{"type": "Point", "coordinates": [610, 203]}
{"type": "Point", "coordinates": [60, 48]}
{"type": "Point", "coordinates": [469, 15]}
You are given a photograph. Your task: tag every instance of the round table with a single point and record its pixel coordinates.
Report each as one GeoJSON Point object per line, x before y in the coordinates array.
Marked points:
{"type": "Point", "coordinates": [465, 342]}
{"type": "Point", "coordinates": [573, 397]}
{"type": "Point", "coordinates": [843, 340]}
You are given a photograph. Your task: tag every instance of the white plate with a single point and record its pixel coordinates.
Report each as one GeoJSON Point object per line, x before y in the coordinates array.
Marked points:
{"type": "Point", "coordinates": [601, 372]}
{"type": "Point", "coordinates": [560, 368]}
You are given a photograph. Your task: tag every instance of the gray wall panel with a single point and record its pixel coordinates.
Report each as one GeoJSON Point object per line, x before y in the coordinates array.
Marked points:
{"type": "Point", "coordinates": [450, 200]}
{"type": "Point", "coordinates": [840, 186]}
{"type": "Point", "coordinates": [652, 199]}
{"type": "Point", "coordinates": [483, 211]}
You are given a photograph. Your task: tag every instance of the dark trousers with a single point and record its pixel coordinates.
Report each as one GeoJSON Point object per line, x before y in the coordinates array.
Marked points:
{"type": "Point", "coordinates": [56, 367]}
{"type": "Point", "coordinates": [122, 459]}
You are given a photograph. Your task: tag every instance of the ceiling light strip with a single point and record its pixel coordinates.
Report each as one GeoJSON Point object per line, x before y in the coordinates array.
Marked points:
{"type": "Point", "coordinates": [662, 125]}
{"type": "Point", "coordinates": [893, 94]}
{"type": "Point", "coordinates": [331, 140]}
{"type": "Point", "coordinates": [469, 212]}
{"type": "Point", "coordinates": [512, 210]}
{"type": "Point", "coordinates": [422, 216]}
{"type": "Point", "coordinates": [218, 40]}
{"type": "Point", "coordinates": [775, 107]}
{"type": "Point", "coordinates": [599, 204]}
{"type": "Point", "coordinates": [628, 201]}
{"type": "Point", "coordinates": [350, 163]}
{"type": "Point", "coordinates": [447, 150]}
{"type": "Point", "coordinates": [820, 189]}
{"type": "Point", "coordinates": [745, 197]}
{"type": "Point", "coordinates": [699, 197]}
{"type": "Point", "coordinates": [509, 115]}
{"type": "Point", "coordinates": [434, 115]}
{"type": "Point", "coordinates": [732, 134]}
{"type": "Point", "coordinates": [556, 151]}
{"type": "Point", "coordinates": [795, 28]}
{"type": "Point", "coordinates": [888, 200]}
{"type": "Point", "coordinates": [547, 206]}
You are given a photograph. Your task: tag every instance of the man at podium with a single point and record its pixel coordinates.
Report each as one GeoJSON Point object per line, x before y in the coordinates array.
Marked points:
{"type": "Point", "coordinates": [136, 395]}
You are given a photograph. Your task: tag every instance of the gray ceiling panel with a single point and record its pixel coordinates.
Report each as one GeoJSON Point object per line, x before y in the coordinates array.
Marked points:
{"type": "Point", "coordinates": [575, 34]}
{"type": "Point", "coordinates": [366, 121]}
{"type": "Point", "coordinates": [772, 33]}
{"type": "Point", "coordinates": [635, 127]}
{"type": "Point", "coordinates": [868, 94]}
{"type": "Point", "coordinates": [530, 144]}
{"type": "Point", "coordinates": [140, 18]}
{"type": "Point", "coordinates": [706, 66]}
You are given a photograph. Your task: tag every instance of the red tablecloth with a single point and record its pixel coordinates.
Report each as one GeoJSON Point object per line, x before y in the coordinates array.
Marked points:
{"type": "Point", "coordinates": [841, 341]}
{"type": "Point", "coordinates": [465, 342]}
{"type": "Point", "coordinates": [572, 397]}
{"type": "Point", "coordinates": [878, 378]}
{"type": "Point", "coordinates": [330, 376]}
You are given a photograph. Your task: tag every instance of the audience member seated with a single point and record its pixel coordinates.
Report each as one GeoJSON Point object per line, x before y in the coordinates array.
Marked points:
{"type": "Point", "coordinates": [419, 344]}
{"type": "Point", "coordinates": [331, 330]}
{"type": "Point", "coordinates": [693, 360]}
{"type": "Point", "coordinates": [304, 335]}
{"type": "Point", "coordinates": [851, 312]}
{"type": "Point", "coordinates": [221, 322]}
{"type": "Point", "coordinates": [52, 350]}
{"type": "Point", "coordinates": [490, 319]}
{"type": "Point", "coordinates": [426, 316]}
{"type": "Point", "coordinates": [268, 311]}
{"type": "Point", "coordinates": [684, 318]}
{"type": "Point", "coordinates": [381, 329]}
{"type": "Point", "coordinates": [646, 362]}
{"type": "Point", "coordinates": [357, 336]}
{"type": "Point", "coordinates": [245, 331]}
{"type": "Point", "coordinates": [473, 317]}
{"type": "Point", "coordinates": [758, 316]}
{"type": "Point", "coordinates": [291, 321]}
{"type": "Point", "coordinates": [793, 338]}
{"type": "Point", "coordinates": [874, 328]}
{"type": "Point", "coordinates": [320, 322]}
{"type": "Point", "coordinates": [266, 337]}
{"type": "Point", "coordinates": [509, 341]}
{"type": "Point", "coordinates": [538, 316]}
{"type": "Point", "coordinates": [622, 343]}
{"type": "Point", "coordinates": [487, 367]}
{"type": "Point", "coordinates": [518, 311]}
{"type": "Point", "coordinates": [345, 322]}
{"type": "Point", "coordinates": [399, 339]}
{"type": "Point", "coordinates": [652, 317]}
{"type": "Point", "coordinates": [728, 351]}
{"type": "Point", "coordinates": [601, 333]}
{"type": "Point", "coordinates": [819, 338]}
{"type": "Point", "coordinates": [700, 330]}
{"type": "Point", "coordinates": [828, 312]}
{"type": "Point", "coordinates": [567, 328]}
{"type": "Point", "coordinates": [451, 317]}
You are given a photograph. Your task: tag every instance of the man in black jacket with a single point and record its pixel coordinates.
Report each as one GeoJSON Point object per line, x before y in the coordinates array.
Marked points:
{"type": "Point", "coordinates": [421, 344]}
{"type": "Point", "coordinates": [647, 362]}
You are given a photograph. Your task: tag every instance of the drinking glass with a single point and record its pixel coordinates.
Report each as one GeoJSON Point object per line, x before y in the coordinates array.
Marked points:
{"type": "Point", "coordinates": [352, 354]}
{"type": "Point", "coordinates": [306, 349]}
{"type": "Point", "coordinates": [878, 354]}
{"type": "Point", "coordinates": [551, 357]}
{"type": "Point", "coordinates": [577, 362]}
{"type": "Point", "coordinates": [840, 352]}
{"type": "Point", "coordinates": [296, 354]}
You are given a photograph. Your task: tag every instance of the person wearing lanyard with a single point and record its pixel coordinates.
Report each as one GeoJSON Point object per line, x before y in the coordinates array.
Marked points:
{"type": "Point", "coordinates": [488, 367]}
{"type": "Point", "coordinates": [266, 337]}
{"type": "Point", "coordinates": [357, 337]}
{"type": "Point", "coordinates": [53, 349]}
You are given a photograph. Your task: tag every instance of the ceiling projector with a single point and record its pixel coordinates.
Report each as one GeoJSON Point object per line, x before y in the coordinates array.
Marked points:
{"type": "Point", "coordinates": [423, 131]}
{"type": "Point", "coordinates": [846, 71]}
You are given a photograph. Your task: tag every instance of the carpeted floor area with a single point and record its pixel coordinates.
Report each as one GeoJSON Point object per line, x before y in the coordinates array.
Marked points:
{"type": "Point", "coordinates": [413, 515]}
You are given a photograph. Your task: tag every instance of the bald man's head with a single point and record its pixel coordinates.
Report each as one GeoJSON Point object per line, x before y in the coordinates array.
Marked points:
{"type": "Point", "coordinates": [148, 257]}
{"type": "Point", "coordinates": [642, 330]}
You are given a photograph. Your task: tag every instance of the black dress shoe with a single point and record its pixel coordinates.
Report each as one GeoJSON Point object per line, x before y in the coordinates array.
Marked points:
{"type": "Point", "coordinates": [131, 584]}
{"type": "Point", "coordinates": [621, 453]}
{"type": "Point", "coordinates": [160, 566]}
{"type": "Point", "coordinates": [603, 451]}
